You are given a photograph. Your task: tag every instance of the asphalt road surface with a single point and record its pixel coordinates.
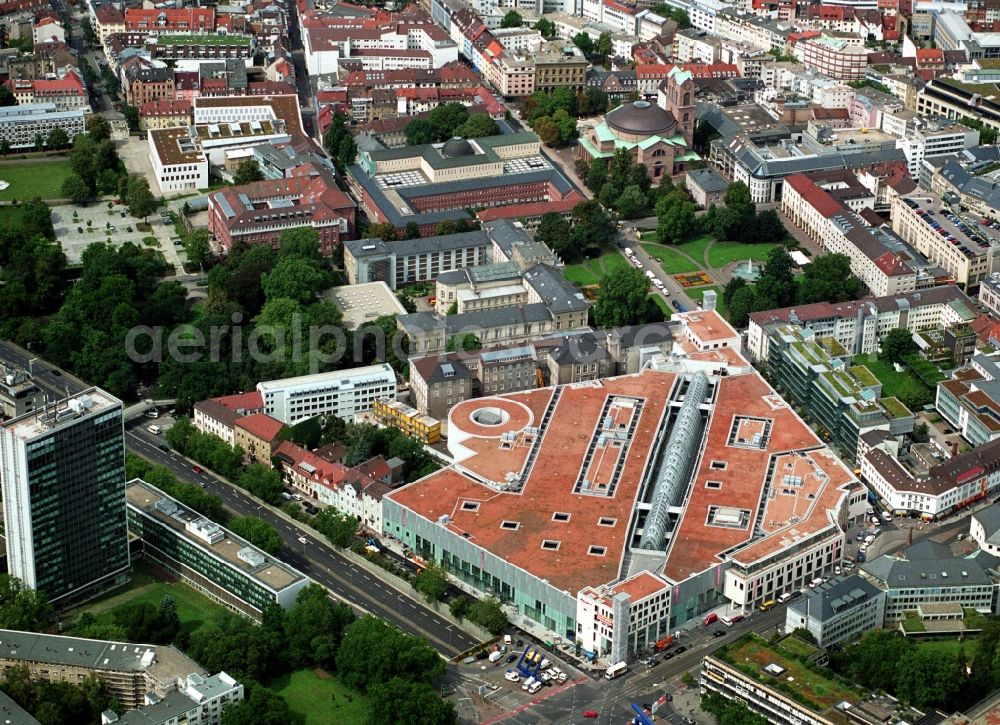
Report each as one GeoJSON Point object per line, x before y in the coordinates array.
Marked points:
{"type": "Point", "coordinates": [347, 583]}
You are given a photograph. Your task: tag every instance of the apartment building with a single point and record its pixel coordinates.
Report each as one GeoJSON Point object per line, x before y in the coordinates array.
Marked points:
{"type": "Point", "coordinates": [18, 393]}
{"type": "Point", "coordinates": [145, 84]}
{"type": "Point", "coordinates": [130, 672]}
{"type": "Point", "coordinates": [257, 435]}
{"type": "Point", "coordinates": [989, 293]}
{"type": "Point", "coordinates": [967, 253]}
{"type": "Point", "coordinates": [356, 491]}
{"type": "Point", "coordinates": [67, 93]}
{"type": "Point", "coordinates": [970, 400]}
{"type": "Point", "coordinates": [838, 611]}
{"type": "Point", "coordinates": [216, 416]}
{"type": "Point", "coordinates": [342, 393]}
{"type": "Point", "coordinates": [198, 700]}
{"type": "Point", "coordinates": [216, 562]}
{"type": "Point", "coordinates": [412, 422]}
{"type": "Point", "coordinates": [842, 59]}
{"type": "Point", "coordinates": [984, 529]}
{"type": "Point", "coordinates": [928, 573]}
{"type": "Point", "coordinates": [859, 325]}
{"type": "Point", "coordinates": [844, 399]}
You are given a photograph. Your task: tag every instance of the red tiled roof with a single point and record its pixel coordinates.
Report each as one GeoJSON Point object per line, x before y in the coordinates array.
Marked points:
{"type": "Point", "coordinates": [260, 425]}
{"type": "Point", "coordinates": [816, 197]}
{"type": "Point", "coordinates": [326, 473]}
{"type": "Point", "coordinates": [164, 107]}
{"type": "Point", "coordinates": [242, 401]}
{"type": "Point", "coordinates": [892, 265]}
{"type": "Point", "coordinates": [930, 55]}
{"type": "Point", "coordinates": [820, 113]}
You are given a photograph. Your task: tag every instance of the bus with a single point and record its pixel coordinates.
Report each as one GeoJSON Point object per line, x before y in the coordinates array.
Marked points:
{"type": "Point", "coordinates": [619, 668]}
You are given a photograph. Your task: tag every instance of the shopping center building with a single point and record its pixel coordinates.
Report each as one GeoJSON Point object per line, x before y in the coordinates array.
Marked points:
{"type": "Point", "coordinates": [612, 511]}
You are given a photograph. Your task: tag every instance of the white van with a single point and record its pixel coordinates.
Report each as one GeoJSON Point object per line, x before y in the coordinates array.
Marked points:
{"type": "Point", "coordinates": [650, 274]}
{"type": "Point", "coordinates": [816, 582]}
{"type": "Point", "coordinates": [628, 251]}
{"type": "Point", "coordinates": [152, 413]}
{"type": "Point", "coordinates": [784, 597]}
{"type": "Point", "coordinates": [154, 429]}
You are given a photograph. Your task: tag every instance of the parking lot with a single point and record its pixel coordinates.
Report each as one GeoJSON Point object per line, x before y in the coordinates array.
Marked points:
{"type": "Point", "coordinates": [91, 224]}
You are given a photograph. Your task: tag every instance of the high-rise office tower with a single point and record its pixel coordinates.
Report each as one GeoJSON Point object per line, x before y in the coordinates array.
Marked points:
{"type": "Point", "coordinates": [63, 478]}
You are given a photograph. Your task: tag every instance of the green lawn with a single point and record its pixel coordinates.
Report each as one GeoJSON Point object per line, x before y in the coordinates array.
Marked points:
{"type": "Point", "coordinates": [698, 294]}
{"type": "Point", "coordinates": [590, 271]}
{"type": "Point", "coordinates": [723, 253]}
{"type": "Point", "coordinates": [672, 261]}
{"type": "Point", "coordinates": [696, 248]}
{"type": "Point", "coordinates": [30, 180]}
{"type": "Point", "coordinates": [894, 384]}
{"type": "Point", "coordinates": [949, 646]}
{"type": "Point", "coordinates": [194, 609]}
{"type": "Point", "coordinates": [320, 699]}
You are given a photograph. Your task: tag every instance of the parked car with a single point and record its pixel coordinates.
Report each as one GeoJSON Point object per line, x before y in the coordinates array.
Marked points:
{"type": "Point", "coordinates": [196, 469]}
{"type": "Point", "coordinates": [680, 650]}
{"type": "Point", "coordinates": [718, 633]}
{"type": "Point", "coordinates": [590, 713]}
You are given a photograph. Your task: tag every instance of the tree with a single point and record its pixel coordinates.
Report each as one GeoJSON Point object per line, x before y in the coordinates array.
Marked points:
{"type": "Point", "coordinates": [4, 143]}
{"type": "Point", "coordinates": [676, 217]}
{"type": "Point", "coordinates": [263, 482]}
{"type": "Point", "coordinates": [374, 652]}
{"type": "Point", "coordinates": [466, 342]}
{"type": "Point", "coordinates": [296, 279]}
{"type": "Point", "coordinates": [445, 118]}
{"type": "Point", "coordinates": [76, 190]}
{"type": "Point", "coordinates": [546, 27]}
{"type": "Point", "coordinates": [260, 706]}
{"type": "Point", "coordinates": [432, 582]}
{"type": "Point", "coordinates": [553, 229]}
{"type": "Point", "coordinates": [57, 139]}
{"type": "Point", "coordinates": [98, 128]}
{"type": "Point", "coordinates": [411, 230]}
{"type": "Point", "coordinates": [314, 628]}
{"type": "Point", "coordinates": [347, 151]}
{"type": "Point", "coordinates": [622, 296]}
{"type": "Point", "coordinates": [198, 247]}
{"type": "Point", "coordinates": [898, 345]}
{"type": "Point", "coordinates": [141, 202]}
{"type": "Point", "coordinates": [742, 303]}
{"type": "Point", "coordinates": [247, 172]}
{"type": "Point", "coordinates": [828, 279]}
{"type": "Point", "coordinates": [631, 204]}
{"type": "Point", "coordinates": [584, 43]}
{"type": "Point", "coordinates": [383, 230]}
{"type": "Point", "coordinates": [27, 610]}
{"type": "Point", "coordinates": [489, 614]}
{"type": "Point", "coordinates": [39, 142]}
{"type": "Point", "coordinates": [419, 131]}
{"type": "Point", "coordinates": [300, 242]}
{"type": "Point", "coordinates": [604, 47]}
{"type": "Point", "coordinates": [131, 114]}
{"type": "Point", "coordinates": [734, 284]}
{"type": "Point", "coordinates": [477, 126]}
{"type": "Point", "coordinates": [145, 622]}
{"type": "Point", "coordinates": [512, 19]}
{"type": "Point", "coordinates": [776, 286]}
{"type": "Point", "coordinates": [591, 230]}
{"type": "Point", "coordinates": [459, 606]}
{"type": "Point", "coordinates": [592, 100]}
{"type": "Point", "coordinates": [769, 227]}
{"type": "Point", "coordinates": [738, 196]}
{"type": "Point", "coordinates": [258, 532]}
{"type": "Point", "coordinates": [7, 97]}
{"type": "Point", "coordinates": [399, 701]}
{"type": "Point", "coordinates": [338, 528]}
{"type": "Point", "coordinates": [730, 712]}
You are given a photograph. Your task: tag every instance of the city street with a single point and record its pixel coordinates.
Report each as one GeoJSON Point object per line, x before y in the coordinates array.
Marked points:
{"type": "Point", "coordinates": [365, 593]}
{"type": "Point", "coordinates": [628, 236]}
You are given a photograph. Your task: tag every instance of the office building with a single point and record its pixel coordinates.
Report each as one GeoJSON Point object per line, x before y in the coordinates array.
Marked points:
{"type": "Point", "coordinates": [432, 183]}
{"type": "Point", "coordinates": [210, 558]}
{"type": "Point", "coordinates": [860, 325]}
{"type": "Point", "coordinates": [409, 420]}
{"type": "Point", "coordinates": [837, 611]}
{"type": "Point", "coordinates": [19, 125]}
{"type": "Point", "coordinates": [343, 393]}
{"type": "Point", "coordinates": [18, 393]}
{"type": "Point", "coordinates": [559, 494]}
{"type": "Point", "coordinates": [63, 475]}
{"type": "Point", "coordinates": [257, 213]}
{"type": "Point", "coordinates": [754, 671]}
{"type": "Point", "coordinates": [839, 58]}
{"type": "Point", "coordinates": [403, 262]}
{"type": "Point", "coordinates": [927, 573]}
{"type": "Point", "coordinates": [129, 671]}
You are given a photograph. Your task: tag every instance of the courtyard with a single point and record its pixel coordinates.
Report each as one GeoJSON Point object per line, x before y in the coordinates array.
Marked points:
{"type": "Point", "coordinates": [96, 223]}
